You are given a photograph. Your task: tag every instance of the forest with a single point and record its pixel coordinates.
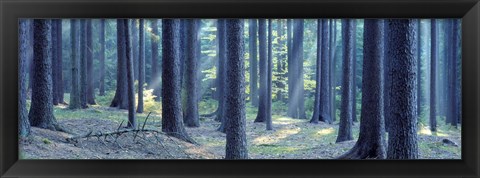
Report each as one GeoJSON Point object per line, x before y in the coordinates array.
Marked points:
{"type": "Point", "coordinates": [239, 88]}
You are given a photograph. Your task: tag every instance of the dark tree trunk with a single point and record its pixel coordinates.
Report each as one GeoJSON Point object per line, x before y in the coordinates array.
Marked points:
{"type": "Point", "coordinates": [454, 71]}
{"type": "Point", "coordinates": [387, 78]}
{"type": "Point", "coordinates": [252, 39]}
{"type": "Point", "coordinates": [171, 100]}
{"type": "Point", "coordinates": [41, 108]}
{"type": "Point", "coordinates": [236, 146]}
{"type": "Point", "coordinates": [141, 66]}
{"type": "Point", "coordinates": [90, 87]}
{"type": "Point", "coordinates": [290, 73]}
{"type": "Point", "coordinates": [418, 53]}
{"type": "Point", "coordinates": [54, 62]}
{"type": "Point", "coordinates": [325, 85]}
{"type": "Point", "coordinates": [370, 143]}
{"type": "Point", "coordinates": [191, 117]}
{"type": "Point", "coordinates": [23, 123]}
{"type": "Point", "coordinates": [102, 57]}
{"type": "Point", "coordinates": [262, 104]}
{"type": "Point", "coordinates": [83, 63]}
{"type": "Point", "coordinates": [155, 77]}
{"type": "Point", "coordinates": [268, 118]}
{"type": "Point", "coordinates": [402, 137]}
{"type": "Point", "coordinates": [59, 65]}
{"type": "Point", "coordinates": [354, 73]}
{"type": "Point", "coordinates": [221, 73]}
{"type": "Point", "coordinates": [182, 49]}
{"type": "Point", "coordinates": [448, 61]}
{"type": "Point", "coordinates": [120, 99]}
{"type": "Point", "coordinates": [132, 122]}
{"type": "Point", "coordinates": [433, 74]}
{"type": "Point", "coordinates": [75, 89]}
{"type": "Point", "coordinates": [333, 47]}
{"type": "Point", "coordinates": [345, 128]}
{"type": "Point", "coordinates": [318, 69]}
{"type": "Point", "coordinates": [135, 46]}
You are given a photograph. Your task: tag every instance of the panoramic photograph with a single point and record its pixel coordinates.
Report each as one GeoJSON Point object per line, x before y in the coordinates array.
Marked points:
{"type": "Point", "coordinates": [239, 89]}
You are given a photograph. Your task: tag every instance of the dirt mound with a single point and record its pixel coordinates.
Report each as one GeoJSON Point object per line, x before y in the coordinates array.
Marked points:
{"type": "Point", "coordinates": [47, 144]}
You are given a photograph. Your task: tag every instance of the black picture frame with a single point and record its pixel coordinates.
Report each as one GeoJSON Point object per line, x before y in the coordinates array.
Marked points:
{"type": "Point", "coordinates": [12, 10]}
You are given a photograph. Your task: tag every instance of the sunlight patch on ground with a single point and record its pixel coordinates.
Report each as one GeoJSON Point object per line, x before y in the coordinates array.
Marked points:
{"type": "Point", "coordinates": [326, 131]}
{"type": "Point", "coordinates": [275, 137]}
{"type": "Point", "coordinates": [425, 131]}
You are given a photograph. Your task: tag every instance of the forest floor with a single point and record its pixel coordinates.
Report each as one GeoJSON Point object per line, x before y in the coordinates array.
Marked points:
{"type": "Point", "coordinates": [290, 139]}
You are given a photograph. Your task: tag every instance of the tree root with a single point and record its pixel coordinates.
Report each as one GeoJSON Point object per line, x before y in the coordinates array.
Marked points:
{"type": "Point", "coordinates": [362, 151]}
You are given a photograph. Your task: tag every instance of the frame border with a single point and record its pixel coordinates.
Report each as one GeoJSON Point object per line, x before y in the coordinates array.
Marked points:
{"type": "Point", "coordinates": [11, 10]}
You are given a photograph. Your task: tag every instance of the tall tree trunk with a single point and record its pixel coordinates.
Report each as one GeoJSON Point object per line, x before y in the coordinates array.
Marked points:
{"type": "Point", "coordinates": [454, 68]}
{"type": "Point", "coordinates": [296, 107]}
{"type": "Point", "coordinates": [318, 69]}
{"type": "Point", "coordinates": [59, 65]}
{"type": "Point", "coordinates": [135, 46]}
{"type": "Point", "coordinates": [236, 146]}
{"type": "Point", "coordinates": [448, 61]}
{"type": "Point", "coordinates": [222, 58]}
{"type": "Point", "coordinates": [23, 123]}
{"type": "Point", "coordinates": [345, 128]}
{"type": "Point", "coordinates": [290, 73]}
{"type": "Point", "coordinates": [90, 87]}
{"type": "Point", "coordinates": [387, 77]}
{"type": "Point", "coordinates": [155, 77]}
{"type": "Point", "coordinates": [252, 39]}
{"type": "Point", "coordinates": [41, 108]}
{"type": "Point", "coordinates": [102, 57]}
{"type": "Point", "coordinates": [402, 137]}
{"type": "Point", "coordinates": [83, 63]}
{"type": "Point", "coordinates": [433, 74]}
{"type": "Point", "coordinates": [370, 143]}
{"type": "Point", "coordinates": [54, 62]}
{"type": "Point", "coordinates": [191, 117]}
{"type": "Point", "coordinates": [325, 85]}
{"type": "Point", "coordinates": [141, 66]}
{"type": "Point", "coordinates": [262, 104]}
{"type": "Point", "coordinates": [74, 56]}
{"type": "Point", "coordinates": [132, 122]}
{"type": "Point", "coordinates": [354, 73]}
{"type": "Point", "coordinates": [268, 118]}
{"type": "Point", "coordinates": [333, 49]}
{"type": "Point", "coordinates": [418, 53]}
{"type": "Point", "coordinates": [120, 99]}
{"type": "Point", "coordinates": [171, 100]}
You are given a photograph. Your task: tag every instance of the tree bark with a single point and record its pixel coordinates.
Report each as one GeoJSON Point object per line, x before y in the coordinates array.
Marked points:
{"type": "Point", "coordinates": [132, 122]}
{"type": "Point", "coordinates": [141, 66]}
{"type": "Point", "coordinates": [102, 57]}
{"type": "Point", "coordinates": [120, 99]}
{"type": "Point", "coordinates": [75, 89]}
{"type": "Point", "coordinates": [90, 87]}
{"type": "Point", "coordinates": [83, 63]}
{"type": "Point", "coordinates": [155, 77]}
{"type": "Point", "coordinates": [433, 74]}
{"type": "Point", "coordinates": [23, 123]}
{"type": "Point", "coordinates": [191, 117]}
{"type": "Point", "coordinates": [252, 39]}
{"type": "Point", "coordinates": [268, 118]}
{"type": "Point", "coordinates": [262, 104]}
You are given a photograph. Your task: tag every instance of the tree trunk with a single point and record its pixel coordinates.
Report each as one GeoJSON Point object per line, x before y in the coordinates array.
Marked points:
{"type": "Point", "coordinates": [262, 38]}
{"type": "Point", "coordinates": [155, 77]}
{"type": "Point", "coordinates": [102, 57]}
{"type": "Point", "coordinates": [120, 99]}
{"type": "Point", "coordinates": [402, 137]}
{"type": "Point", "coordinates": [325, 85]}
{"type": "Point", "coordinates": [90, 87]}
{"type": "Point", "coordinates": [454, 68]}
{"type": "Point", "coordinates": [252, 39]}
{"type": "Point", "coordinates": [135, 46]}
{"type": "Point", "coordinates": [191, 117]}
{"type": "Point", "coordinates": [418, 53]}
{"type": "Point", "coordinates": [54, 62]}
{"type": "Point", "coordinates": [171, 100]}
{"type": "Point", "coordinates": [59, 65]}
{"type": "Point", "coordinates": [268, 118]}
{"type": "Point", "coordinates": [23, 123]}
{"type": "Point", "coordinates": [75, 89]}
{"type": "Point", "coordinates": [291, 112]}
{"type": "Point", "coordinates": [221, 33]}
{"type": "Point", "coordinates": [433, 74]}
{"type": "Point", "coordinates": [141, 66]}
{"type": "Point", "coordinates": [83, 63]}
{"type": "Point", "coordinates": [333, 49]}
{"type": "Point", "coordinates": [345, 128]}
{"type": "Point", "coordinates": [318, 69]}
{"type": "Point", "coordinates": [354, 73]}
{"type": "Point", "coordinates": [370, 143]}
{"type": "Point", "coordinates": [236, 146]}
{"type": "Point", "coordinates": [132, 122]}
{"type": "Point", "coordinates": [296, 107]}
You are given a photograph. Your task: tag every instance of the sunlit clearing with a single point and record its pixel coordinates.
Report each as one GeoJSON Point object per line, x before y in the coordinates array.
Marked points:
{"type": "Point", "coordinates": [425, 131]}
{"type": "Point", "coordinates": [275, 137]}
{"type": "Point", "coordinates": [284, 121]}
{"type": "Point", "coordinates": [326, 131]}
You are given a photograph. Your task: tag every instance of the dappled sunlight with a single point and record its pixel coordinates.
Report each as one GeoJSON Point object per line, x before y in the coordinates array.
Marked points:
{"type": "Point", "coordinates": [284, 120]}
{"type": "Point", "coordinates": [327, 131]}
{"type": "Point", "coordinates": [270, 138]}
{"type": "Point", "coordinates": [425, 131]}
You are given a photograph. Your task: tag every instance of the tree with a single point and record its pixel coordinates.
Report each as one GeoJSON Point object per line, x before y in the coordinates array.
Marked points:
{"type": "Point", "coordinates": [402, 136]}
{"type": "Point", "coordinates": [268, 118]}
{"type": "Point", "coordinates": [75, 92]}
{"type": "Point", "coordinates": [323, 67]}
{"type": "Point", "coordinates": [141, 66]}
{"type": "Point", "coordinates": [222, 58]}
{"type": "Point", "coordinates": [102, 57]}
{"type": "Point", "coordinates": [54, 58]}
{"type": "Point", "coordinates": [59, 65]}
{"type": "Point", "coordinates": [23, 123]}
{"type": "Point", "coordinates": [155, 78]}
{"type": "Point", "coordinates": [132, 122]}
{"type": "Point", "coordinates": [370, 143]}
{"type": "Point", "coordinates": [345, 128]}
{"type": "Point", "coordinates": [191, 117]}
{"type": "Point", "coordinates": [433, 74]}
{"type": "Point", "coordinates": [354, 73]}
{"type": "Point", "coordinates": [296, 105]}
{"type": "Point", "coordinates": [120, 99]}
{"type": "Point", "coordinates": [236, 146]}
{"type": "Point", "coordinates": [83, 63]}
{"type": "Point", "coordinates": [333, 47]}
{"type": "Point", "coordinates": [290, 72]}
{"type": "Point", "coordinates": [419, 64]}
{"type": "Point", "coordinates": [262, 104]}
{"type": "Point", "coordinates": [387, 77]}
{"type": "Point", "coordinates": [135, 45]}
{"type": "Point", "coordinates": [90, 87]}
{"type": "Point", "coordinates": [41, 108]}
{"type": "Point", "coordinates": [316, 103]}
{"type": "Point", "coordinates": [454, 89]}
{"type": "Point", "coordinates": [171, 100]}
{"type": "Point", "coordinates": [252, 39]}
